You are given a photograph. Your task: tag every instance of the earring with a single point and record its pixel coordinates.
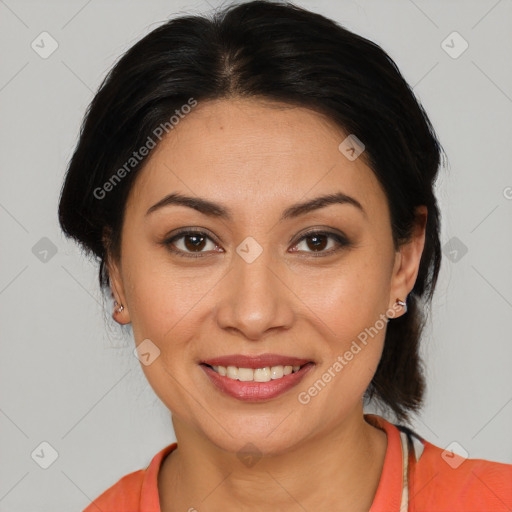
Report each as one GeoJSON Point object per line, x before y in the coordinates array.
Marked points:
{"type": "Point", "coordinates": [120, 308]}
{"type": "Point", "coordinates": [402, 303]}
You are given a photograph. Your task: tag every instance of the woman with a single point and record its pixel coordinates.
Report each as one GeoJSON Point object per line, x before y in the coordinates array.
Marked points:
{"type": "Point", "coordinates": [259, 190]}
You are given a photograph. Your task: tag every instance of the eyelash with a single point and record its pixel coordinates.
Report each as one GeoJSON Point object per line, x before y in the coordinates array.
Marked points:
{"type": "Point", "coordinates": [342, 241]}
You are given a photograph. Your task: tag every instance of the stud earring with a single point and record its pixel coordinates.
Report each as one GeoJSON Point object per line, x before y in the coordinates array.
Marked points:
{"type": "Point", "coordinates": [120, 308]}
{"type": "Point", "coordinates": [402, 303]}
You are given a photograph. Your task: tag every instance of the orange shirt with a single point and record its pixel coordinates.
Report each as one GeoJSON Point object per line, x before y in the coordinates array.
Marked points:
{"type": "Point", "coordinates": [417, 476]}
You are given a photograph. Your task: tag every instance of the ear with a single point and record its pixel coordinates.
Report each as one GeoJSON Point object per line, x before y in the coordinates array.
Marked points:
{"type": "Point", "coordinates": [113, 267]}
{"type": "Point", "coordinates": [407, 259]}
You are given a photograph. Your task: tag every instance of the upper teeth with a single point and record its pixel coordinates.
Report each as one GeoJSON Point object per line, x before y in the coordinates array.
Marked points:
{"type": "Point", "coordinates": [257, 374]}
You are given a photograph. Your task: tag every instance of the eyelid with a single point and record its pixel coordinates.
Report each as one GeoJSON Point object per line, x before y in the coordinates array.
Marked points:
{"type": "Point", "coordinates": [320, 230]}
{"type": "Point", "coordinates": [195, 230]}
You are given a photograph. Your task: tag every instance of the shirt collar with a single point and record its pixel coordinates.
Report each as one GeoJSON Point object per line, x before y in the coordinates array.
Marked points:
{"type": "Point", "coordinates": [389, 491]}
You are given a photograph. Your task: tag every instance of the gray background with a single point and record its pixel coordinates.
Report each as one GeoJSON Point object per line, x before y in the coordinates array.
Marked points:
{"type": "Point", "coordinates": [67, 373]}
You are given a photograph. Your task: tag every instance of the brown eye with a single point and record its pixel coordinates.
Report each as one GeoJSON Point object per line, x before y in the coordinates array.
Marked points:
{"type": "Point", "coordinates": [186, 243]}
{"type": "Point", "coordinates": [194, 242]}
{"type": "Point", "coordinates": [318, 242]}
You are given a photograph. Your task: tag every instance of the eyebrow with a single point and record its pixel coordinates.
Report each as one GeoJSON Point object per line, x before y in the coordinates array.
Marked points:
{"type": "Point", "coordinates": [212, 209]}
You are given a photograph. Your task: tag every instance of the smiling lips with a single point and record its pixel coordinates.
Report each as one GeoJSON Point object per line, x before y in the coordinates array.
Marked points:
{"type": "Point", "coordinates": [255, 378]}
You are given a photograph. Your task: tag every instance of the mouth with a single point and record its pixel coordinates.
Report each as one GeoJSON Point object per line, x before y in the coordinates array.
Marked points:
{"type": "Point", "coordinates": [256, 378]}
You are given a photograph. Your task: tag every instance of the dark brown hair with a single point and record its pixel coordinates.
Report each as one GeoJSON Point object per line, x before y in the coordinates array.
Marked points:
{"type": "Point", "coordinates": [282, 52]}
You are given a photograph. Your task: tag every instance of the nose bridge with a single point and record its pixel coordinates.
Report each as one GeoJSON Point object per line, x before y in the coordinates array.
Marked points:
{"type": "Point", "coordinates": [254, 299]}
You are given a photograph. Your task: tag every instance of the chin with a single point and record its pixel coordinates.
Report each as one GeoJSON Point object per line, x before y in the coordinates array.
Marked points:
{"type": "Point", "coordinates": [268, 436]}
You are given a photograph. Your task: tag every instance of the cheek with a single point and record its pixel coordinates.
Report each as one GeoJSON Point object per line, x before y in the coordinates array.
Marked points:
{"type": "Point", "coordinates": [351, 326]}
{"type": "Point", "coordinates": [162, 296]}
{"type": "Point", "coordinates": [349, 306]}
{"type": "Point", "coordinates": [166, 308]}
{"type": "Point", "coordinates": [349, 298]}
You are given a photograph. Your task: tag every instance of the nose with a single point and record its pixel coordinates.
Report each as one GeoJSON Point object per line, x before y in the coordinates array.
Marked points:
{"type": "Point", "coordinates": [254, 298]}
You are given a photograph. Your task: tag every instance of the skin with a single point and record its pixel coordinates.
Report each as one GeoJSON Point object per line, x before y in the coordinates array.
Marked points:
{"type": "Point", "coordinates": [257, 158]}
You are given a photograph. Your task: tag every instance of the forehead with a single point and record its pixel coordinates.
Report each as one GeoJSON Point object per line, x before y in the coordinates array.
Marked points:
{"type": "Point", "coordinates": [240, 151]}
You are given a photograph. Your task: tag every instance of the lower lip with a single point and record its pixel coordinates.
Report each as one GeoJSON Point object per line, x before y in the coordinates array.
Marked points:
{"type": "Point", "coordinates": [256, 391]}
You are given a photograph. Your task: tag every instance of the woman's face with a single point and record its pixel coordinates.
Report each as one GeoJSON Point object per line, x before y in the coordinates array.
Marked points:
{"type": "Point", "coordinates": [247, 283]}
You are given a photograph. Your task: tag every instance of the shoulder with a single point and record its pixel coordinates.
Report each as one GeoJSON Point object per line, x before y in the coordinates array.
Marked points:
{"type": "Point", "coordinates": [123, 495]}
{"type": "Point", "coordinates": [134, 492]}
{"type": "Point", "coordinates": [442, 480]}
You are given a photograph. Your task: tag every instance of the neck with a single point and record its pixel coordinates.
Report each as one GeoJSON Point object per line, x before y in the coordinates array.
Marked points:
{"type": "Point", "coordinates": [340, 470]}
